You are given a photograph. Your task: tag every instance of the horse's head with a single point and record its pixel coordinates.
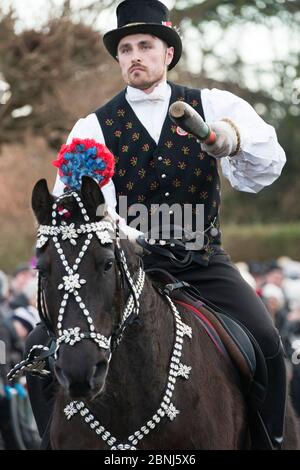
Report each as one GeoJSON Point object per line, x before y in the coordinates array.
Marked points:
{"type": "Point", "coordinates": [81, 266]}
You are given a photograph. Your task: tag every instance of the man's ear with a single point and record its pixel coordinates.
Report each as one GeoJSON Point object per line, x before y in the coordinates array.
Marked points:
{"type": "Point", "coordinates": [41, 202]}
{"type": "Point", "coordinates": [169, 55]}
{"type": "Point", "coordinates": [92, 197]}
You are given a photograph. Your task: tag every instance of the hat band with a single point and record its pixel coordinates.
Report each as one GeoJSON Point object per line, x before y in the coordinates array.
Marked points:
{"type": "Point", "coordinates": [164, 23]}
{"type": "Point", "coordinates": [133, 24]}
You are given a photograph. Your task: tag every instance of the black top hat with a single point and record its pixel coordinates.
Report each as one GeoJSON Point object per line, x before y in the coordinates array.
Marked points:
{"type": "Point", "coordinates": [145, 17]}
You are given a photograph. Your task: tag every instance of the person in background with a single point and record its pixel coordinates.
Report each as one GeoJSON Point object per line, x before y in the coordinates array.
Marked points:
{"type": "Point", "coordinates": [15, 325]}
{"type": "Point", "coordinates": [244, 270]}
{"type": "Point", "coordinates": [257, 271]}
{"type": "Point", "coordinates": [22, 275]}
{"type": "Point", "coordinates": [290, 267]}
{"type": "Point", "coordinates": [292, 346]}
{"type": "Point", "coordinates": [274, 274]}
{"type": "Point", "coordinates": [4, 295]}
{"type": "Point", "coordinates": [274, 299]}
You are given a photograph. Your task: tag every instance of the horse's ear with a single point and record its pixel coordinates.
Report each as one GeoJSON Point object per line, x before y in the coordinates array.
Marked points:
{"type": "Point", "coordinates": [92, 197]}
{"type": "Point", "coordinates": [41, 202]}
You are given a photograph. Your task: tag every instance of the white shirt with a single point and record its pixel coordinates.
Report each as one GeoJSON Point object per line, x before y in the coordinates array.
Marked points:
{"type": "Point", "coordinates": [257, 165]}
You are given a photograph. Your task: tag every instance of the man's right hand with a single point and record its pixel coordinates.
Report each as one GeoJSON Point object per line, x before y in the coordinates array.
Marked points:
{"type": "Point", "coordinates": [226, 140]}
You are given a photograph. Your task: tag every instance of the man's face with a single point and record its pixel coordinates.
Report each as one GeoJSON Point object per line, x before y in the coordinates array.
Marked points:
{"type": "Point", "coordinates": [143, 59]}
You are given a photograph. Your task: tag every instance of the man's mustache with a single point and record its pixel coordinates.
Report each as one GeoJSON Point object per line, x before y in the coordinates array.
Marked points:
{"type": "Point", "coordinates": [134, 66]}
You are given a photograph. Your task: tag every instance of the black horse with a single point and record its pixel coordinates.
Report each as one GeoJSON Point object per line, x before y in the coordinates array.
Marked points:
{"type": "Point", "coordinates": [133, 371]}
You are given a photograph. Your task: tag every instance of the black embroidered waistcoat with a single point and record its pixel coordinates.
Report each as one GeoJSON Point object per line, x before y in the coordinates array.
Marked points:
{"type": "Point", "coordinates": [175, 170]}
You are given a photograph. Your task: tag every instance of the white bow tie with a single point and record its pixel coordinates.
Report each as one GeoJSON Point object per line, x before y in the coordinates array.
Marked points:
{"type": "Point", "coordinates": [154, 96]}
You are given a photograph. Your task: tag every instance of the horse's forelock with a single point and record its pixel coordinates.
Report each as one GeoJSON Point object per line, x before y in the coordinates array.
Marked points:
{"type": "Point", "coordinates": [68, 210]}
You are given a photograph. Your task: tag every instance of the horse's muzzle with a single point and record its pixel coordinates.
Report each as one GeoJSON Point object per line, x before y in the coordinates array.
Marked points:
{"type": "Point", "coordinates": [82, 383]}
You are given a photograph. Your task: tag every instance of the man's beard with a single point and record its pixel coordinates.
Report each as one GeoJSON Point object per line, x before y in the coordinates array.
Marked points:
{"type": "Point", "coordinates": [143, 86]}
{"type": "Point", "coordinates": [141, 83]}
{"type": "Point", "coordinates": [146, 84]}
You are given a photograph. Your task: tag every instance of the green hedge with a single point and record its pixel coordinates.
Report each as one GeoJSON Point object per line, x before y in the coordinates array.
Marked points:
{"type": "Point", "coordinates": [243, 242]}
{"type": "Point", "coordinates": [262, 242]}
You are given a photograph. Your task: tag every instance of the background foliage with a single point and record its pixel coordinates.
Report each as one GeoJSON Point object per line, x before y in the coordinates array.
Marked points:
{"type": "Point", "coordinates": [59, 72]}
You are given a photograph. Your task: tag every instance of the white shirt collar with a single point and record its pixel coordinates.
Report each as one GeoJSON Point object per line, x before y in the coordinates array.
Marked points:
{"type": "Point", "coordinates": [160, 93]}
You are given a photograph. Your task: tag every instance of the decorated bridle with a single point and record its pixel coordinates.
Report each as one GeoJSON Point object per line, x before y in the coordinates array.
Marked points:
{"type": "Point", "coordinates": [38, 355]}
{"type": "Point", "coordinates": [72, 283]}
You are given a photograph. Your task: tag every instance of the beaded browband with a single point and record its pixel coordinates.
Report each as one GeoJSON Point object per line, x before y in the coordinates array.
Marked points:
{"type": "Point", "coordinates": [69, 232]}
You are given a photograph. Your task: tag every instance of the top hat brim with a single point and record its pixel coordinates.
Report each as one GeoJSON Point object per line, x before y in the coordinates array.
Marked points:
{"type": "Point", "coordinates": [167, 34]}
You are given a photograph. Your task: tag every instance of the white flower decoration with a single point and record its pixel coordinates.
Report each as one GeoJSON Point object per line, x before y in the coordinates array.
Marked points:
{"type": "Point", "coordinates": [70, 410]}
{"type": "Point", "coordinates": [72, 282]}
{"type": "Point", "coordinates": [72, 335]}
{"type": "Point", "coordinates": [183, 371]}
{"type": "Point", "coordinates": [172, 412]}
{"type": "Point", "coordinates": [104, 237]}
{"type": "Point", "coordinates": [186, 330]}
{"type": "Point", "coordinates": [69, 232]}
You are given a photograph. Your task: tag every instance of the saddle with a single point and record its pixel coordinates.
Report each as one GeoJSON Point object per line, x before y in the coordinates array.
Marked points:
{"type": "Point", "coordinates": [230, 337]}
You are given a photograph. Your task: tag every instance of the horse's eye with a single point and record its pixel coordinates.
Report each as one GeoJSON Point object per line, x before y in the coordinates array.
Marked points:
{"type": "Point", "coordinates": [43, 276]}
{"type": "Point", "coordinates": [108, 265]}
{"type": "Point", "coordinates": [42, 272]}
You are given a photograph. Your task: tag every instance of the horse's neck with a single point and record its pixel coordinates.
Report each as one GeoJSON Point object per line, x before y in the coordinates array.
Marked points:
{"type": "Point", "coordinates": [154, 331]}
{"type": "Point", "coordinates": [139, 366]}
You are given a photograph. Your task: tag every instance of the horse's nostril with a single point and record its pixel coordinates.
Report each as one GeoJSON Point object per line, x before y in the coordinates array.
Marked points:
{"type": "Point", "coordinates": [100, 370]}
{"type": "Point", "coordinates": [82, 381]}
{"type": "Point", "coordinates": [62, 378]}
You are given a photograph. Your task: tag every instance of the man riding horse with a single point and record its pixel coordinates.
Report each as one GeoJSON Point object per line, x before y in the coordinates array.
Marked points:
{"type": "Point", "coordinates": [156, 160]}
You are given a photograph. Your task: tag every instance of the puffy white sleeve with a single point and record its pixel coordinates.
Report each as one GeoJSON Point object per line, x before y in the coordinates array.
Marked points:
{"type": "Point", "coordinates": [89, 128]}
{"type": "Point", "coordinates": [261, 159]}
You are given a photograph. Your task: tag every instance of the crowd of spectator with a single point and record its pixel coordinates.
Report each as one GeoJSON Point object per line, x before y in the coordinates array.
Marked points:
{"type": "Point", "coordinates": [278, 284]}
{"type": "Point", "coordinates": [18, 317]}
